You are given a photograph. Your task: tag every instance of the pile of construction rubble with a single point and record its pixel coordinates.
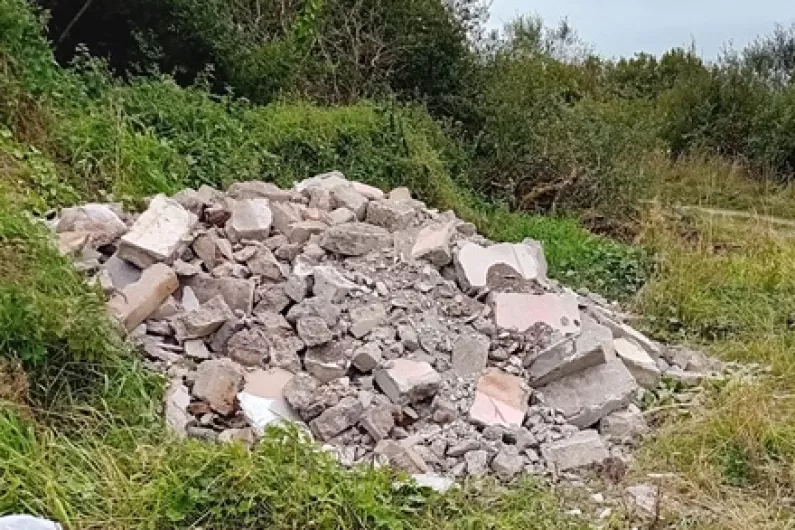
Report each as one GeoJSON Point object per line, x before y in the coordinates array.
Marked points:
{"type": "Point", "coordinates": [394, 332]}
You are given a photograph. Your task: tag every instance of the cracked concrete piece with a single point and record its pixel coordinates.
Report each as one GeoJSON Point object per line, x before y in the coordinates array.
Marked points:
{"type": "Point", "coordinates": [470, 354]}
{"type": "Point", "coordinates": [500, 399]}
{"type": "Point", "coordinates": [138, 300]}
{"type": "Point", "coordinates": [238, 293]}
{"type": "Point", "coordinates": [365, 318]}
{"type": "Point", "coordinates": [401, 457]}
{"type": "Point", "coordinates": [251, 219]}
{"type": "Point", "coordinates": [520, 311]}
{"type": "Point", "coordinates": [203, 321]}
{"type": "Point", "coordinates": [330, 284]}
{"type": "Point", "coordinates": [159, 233]}
{"type": "Point", "coordinates": [338, 418]}
{"type": "Point", "coordinates": [433, 244]}
{"type": "Point", "coordinates": [472, 262]}
{"type": "Point", "coordinates": [98, 221]}
{"type": "Point", "coordinates": [593, 346]}
{"type": "Point", "coordinates": [640, 364]}
{"type": "Point", "coordinates": [355, 239]}
{"type": "Point", "coordinates": [406, 381]}
{"type": "Point", "coordinates": [177, 401]}
{"type": "Point", "coordinates": [392, 215]}
{"type": "Point", "coordinates": [589, 395]}
{"type": "Point", "coordinates": [346, 196]}
{"type": "Point", "coordinates": [583, 449]}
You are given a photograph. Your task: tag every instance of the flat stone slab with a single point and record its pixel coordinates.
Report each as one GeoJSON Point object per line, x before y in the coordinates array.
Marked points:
{"type": "Point", "coordinates": [433, 244]}
{"type": "Point", "coordinates": [472, 262]}
{"type": "Point", "coordinates": [138, 300]}
{"type": "Point", "coordinates": [520, 311]}
{"type": "Point", "coordinates": [583, 449]}
{"type": "Point", "coordinates": [203, 321]}
{"type": "Point", "coordinates": [408, 381]}
{"type": "Point", "coordinates": [500, 399]}
{"type": "Point", "coordinates": [470, 354]}
{"type": "Point", "coordinates": [589, 395]}
{"type": "Point", "coordinates": [159, 233]}
{"type": "Point", "coordinates": [392, 215]}
{"type": "Point", "coordinates": [355, 239]}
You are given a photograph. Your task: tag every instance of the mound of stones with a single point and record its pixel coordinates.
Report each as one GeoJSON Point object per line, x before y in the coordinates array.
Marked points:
{"type": "Point", "coordinates": [393, 332]}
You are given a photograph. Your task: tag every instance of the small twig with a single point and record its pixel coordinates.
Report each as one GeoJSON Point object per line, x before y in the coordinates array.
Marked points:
{"type": "Point", "coordinates": [73, 22]}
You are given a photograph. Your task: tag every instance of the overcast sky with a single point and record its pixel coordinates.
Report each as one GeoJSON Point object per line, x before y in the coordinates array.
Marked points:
{"type": "Point", "coordinates": [623, 27]}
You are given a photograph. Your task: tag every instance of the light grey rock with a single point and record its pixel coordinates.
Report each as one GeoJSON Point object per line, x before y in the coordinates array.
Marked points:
{"type": "Point", "coordinates": [237, 293]}
{"type": "Point", "coordinates": [346, 196]}
{"type": "Point", "coordinates": [158, 235]}
{"type": "Point", "coordinates": [265, 264]}
{"type": "Point", "coordinates": [407, 381]}
{"type": "Point", "coordinates": [589, 395]}
{"type": "Point", "coordinates": [337, 419]}
{"type": "Point", "coordinates": [313, 331]}
{"type": "Point", "coordinates": [257, 189]}
{"type": "Point", "coordinates": [365, 318]}
{"type": "Point", "coordinates": [99, 221]}
{"type": "Point", "coordinates": [402, 457]}
{"type": "Point", "coordinates": [136, 302]}
{"type": "Point", "coordinates": [508, 463]}
{"type": "Point", "coordinates": [437, 483]}
{"type": "Point", "coordinates": [284, 215]}
{"type": "Point", "coordinates": [646, 497]}
{"type": "Point", "coordinates": [297, 288]}
{"type": "Point", "coordinates": [196, 349]}
{"type": "Point", "coordinates": [593, 346]}
{"type": "Point", "coordinates": [284, 352]}
{"type": "Point", "coordinates": [121, 272]}
{"type": "Point", "coordinates": [204, 321]}
{"type": "Point", "coordinates": [367, 357]}
{"type": "Point", "coordinates": [300, 391]}
{"type": "Point", "coordinates": [378, 421]}
{"type": "Point", "coordinates": [251, 219]}
{"type": "Point", "coordinates": [521, 311]}
{"type": "Point", "coordinates": [303, 231]}
{"type": "Point", "coordinates": [640, 364]}
{"type": "Point", "coordinates": [355, 239]}
{"type": "Point", "coordinates": [249, 347]}
{"type": "Point", "coordinates": [583, 449]}
{"type": "Point", "coordinates": [217, 383]}
{"type": "Point", "coordinates": [330, 284]}
{"type": "Point", "coordinates": [409, 337]}
{"type": "Point", "coordinates": [392, 215]}
{"type": "Point", "coordinates": [315, 306]}
{"type": "Point", "coordinates": [328, 362]}
{"type": "Point", "coordinates": [212, 250]}
{"type": "Point", "coordinates": [433, 244]}
{"type": "Point", "coordinates": [470, 354]}
{"type": "Point", "coordinates": [624, 424]}
{"type": "Point", "coordinates": [177, 401]}
{"type": "Point", "coordinates": [339, 216]}
{"type": "Point", "coordinates": [477, 463]}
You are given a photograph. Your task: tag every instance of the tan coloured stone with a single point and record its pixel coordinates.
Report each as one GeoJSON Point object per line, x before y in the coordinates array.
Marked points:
{"type": "Point", "coordinates": [138, 300]}
{"type": "Point", "coordinates": [500, 399]}
{"type": "Point", "coordinates": [251, 219]}
{"type": "Point", "coordinates": [474, 261]}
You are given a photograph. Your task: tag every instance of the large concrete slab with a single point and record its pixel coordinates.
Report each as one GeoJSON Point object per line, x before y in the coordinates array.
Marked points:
{"type": "Point", "coordinates": [133, 304]}
{"type": "Point", "coordinates": [520, 311]}
{"type": "Point", "coordinates": [500, 399]}
{"type": "Point", "coordinates": [472, 262]}
{"type": "Point", "coordinates": [251, 219]}
{"type": "Point", "coordinates": [159, 234]}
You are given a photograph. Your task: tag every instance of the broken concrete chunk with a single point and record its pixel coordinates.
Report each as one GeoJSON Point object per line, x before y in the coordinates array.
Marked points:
{"type": "Point", "coordinates": [407, 381]}
{"type": "Point", "coordinates": [313, 331]}
{"type": "Point", "coordinates": [366, 318]}
{"type": "Point", "coordinates": [624, 425]}
{"type": "Point", "coordinates": [315, 306]}
{"type": "Point", "coordinates": [217, 383]}
{"type": "Point", "coordinates": [212, 250]}
{"type": "Point", "coordinates": [284, 215]}
{"type": "Point", "coordinates": [370, 192]}
{"type": "Point", "coordinates": [520, 311]}
{"type": "Point", "coordinates": [196, 349]}
{"type": "Point", "coordinates": [583, 449]}
{"type": "Point", "coordinates": [401, 457]}
{"type": "Point", "coordinates": [593, 346]}
{"type": "Point", "coordinates": [249, 347]}
{"type": "Point", "coordinates": [339, 216]}
{"type": "Point", "coordinates": [138, 300]}
{"type": "Point", "coordinates": [639, 363]}
{"type": "Point", "coordinates": [158, 235]}
{"type": "Point", "coordinates": [470, 354]}
{"type": "Point", "coordinates": [346, 196]}
{"type": "Point", "coordinates": [203, 321]}
{"type": "Point", "coordinates": [338, 418]}
{"type": "Point", "coordinates": [392, 215]}
{"type": "Point", "coordinates": [330, 284]}
{"type": "Point", "coordinates": [508, 463]}
{"type": "Point", "coordinates": [237, 293]}
{"type": "Point", "coordinates": [177, 401]}
{"type": "Point", "coordinates": [284, 352]}
{"type": "Point", "coordinates": [472, 262]}
{"type": "Point", "coordinates": [378, 422]}
{"type": "Point", "coordinates": [300, 390]}
{"type": "Point", "coordinates": [589, 395]}
{"type": "Point", "coordinates": [263, 263]}
{"type": "Point", "coordinates": [325, 181]}
{"type": "Point", "coordinates": [303, 231]}
{"type": "Point", "coordinates": [251, 219]}
{"type": "Point", "coordinates": [400, 194]}
{"type": "Point", "coordinates": [433, 244]}
{"type": "Point", "coordinates": [355, 239]}
{"type": "Point", "coordinates": [97, 222]}
{"type": "Point", "coordinates": [328, 362]}
{"type": "Point", "coordinates": [477, 463]}
{"type": "Point", "coordinates": [368, 357]}
{"type": "Point", "coordinates": [500, 399]}
{"type": "Point", "coordinates": [121, 272]}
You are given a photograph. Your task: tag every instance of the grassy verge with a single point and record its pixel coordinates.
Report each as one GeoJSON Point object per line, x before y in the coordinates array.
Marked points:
{"type": "Point", "coordinates": [727, 286]}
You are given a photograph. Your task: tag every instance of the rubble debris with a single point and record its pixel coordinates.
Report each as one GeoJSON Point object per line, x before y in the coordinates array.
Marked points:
{"type": "Point", "coordinates": [396, 333]}
{"type": "Point", "coordinates": [158, 235]}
